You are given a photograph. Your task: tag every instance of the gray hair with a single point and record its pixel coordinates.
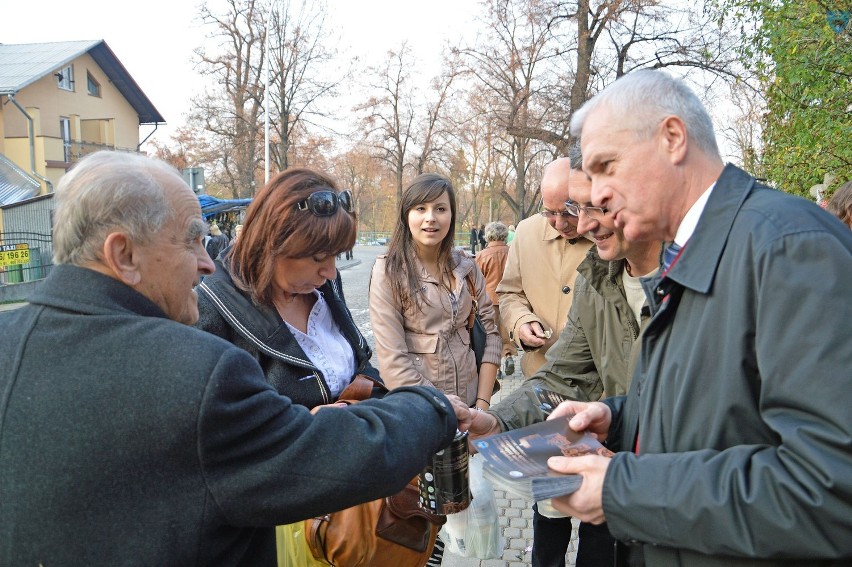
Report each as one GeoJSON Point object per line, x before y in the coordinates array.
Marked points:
{"type": "Point", "coordinates": [642, 99]}
{"type": "Point", "coordinates": [106, 191]}
{"type": "Point", "coordinates": [496, 231]}
{"type": "Point", "coordinates": [575, 156]}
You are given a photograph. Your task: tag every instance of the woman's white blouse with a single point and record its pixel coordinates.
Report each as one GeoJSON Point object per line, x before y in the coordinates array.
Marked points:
{"type": "Point", "coordinates": [326, 347]}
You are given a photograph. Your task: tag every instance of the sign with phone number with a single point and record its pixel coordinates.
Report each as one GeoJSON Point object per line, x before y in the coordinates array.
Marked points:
{"type": "Point", "coordinates": [14, 254]}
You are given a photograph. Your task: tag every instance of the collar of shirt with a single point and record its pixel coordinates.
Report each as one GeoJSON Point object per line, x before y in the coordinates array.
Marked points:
{"type": "Point", "coordinates": [690, 221]}
{"type": "Point", "coordinates": [326, 347]}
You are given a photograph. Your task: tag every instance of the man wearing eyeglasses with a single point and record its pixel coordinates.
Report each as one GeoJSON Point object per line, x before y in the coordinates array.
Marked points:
{"type": "Point", "coordinates": [536, 289]}
{"type": "Point", "coordinates": [590, 360]}
{"type": "Point", "coordinates": [535, 295]}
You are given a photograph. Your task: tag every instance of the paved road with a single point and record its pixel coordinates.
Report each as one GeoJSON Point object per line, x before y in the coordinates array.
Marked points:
{"type": "Point", "coordinates": [515, 513]}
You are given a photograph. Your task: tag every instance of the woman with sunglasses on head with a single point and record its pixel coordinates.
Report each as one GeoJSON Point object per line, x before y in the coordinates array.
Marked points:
{"type": "Point", "coordinates": [277, 293]}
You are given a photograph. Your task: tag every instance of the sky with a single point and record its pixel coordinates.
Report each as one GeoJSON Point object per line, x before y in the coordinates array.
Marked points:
{"type": "Point", "coordinates": [155, 39]}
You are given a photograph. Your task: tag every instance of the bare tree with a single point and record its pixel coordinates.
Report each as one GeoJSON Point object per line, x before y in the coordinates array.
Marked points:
{"type": "Point", "coordinates": [743, 132]}
{"type": "Point", "coordinates": [389, 119]}
{"type": "Point", "coordinates": [231, 113]}
{"type": "Point", "coordinates": [358, 171]}
{"type": "Point", "coordinates": [433, 133]}
{"type": "Point", "coordinates": [300, 62]}
{"type": "Point", "coordinates": [615, 37]}
{"type": "Point", "coordinates": [479, 158]}
{"type": "Point", "coordinates": [518, 62]}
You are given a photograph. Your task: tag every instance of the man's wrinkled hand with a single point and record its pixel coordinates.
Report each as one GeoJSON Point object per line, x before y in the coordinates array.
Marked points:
{"type": "Point", "coordinates": [462, 411]}
{"type": "Point", "coordinates": [476, 423]}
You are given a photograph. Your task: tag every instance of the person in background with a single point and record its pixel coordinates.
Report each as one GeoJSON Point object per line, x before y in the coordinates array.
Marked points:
{"type": "Point", "coordinates": [130, 437]}
{"type": "Point", "coordinates": [737, 426]}
{"type": "Point", "coordinates": [481, 237]}
{"type": "Point", "coordinates": [474, 239]}
{"type": "Point", "coordinates": [217, 242]}
{"type": "Point", "coordinates": [840, 203]}
{"type": "Point", "coordinates": [492, 262]}
{"type": "Point", "coordinates": [420, 305]}
{"type": "Point", "coordinates": [237, 231]}
{"type": "Point", "coordinates": [593, 358]}
{"type": "Point", "coordinates": [511, 236]}
{"type": "Point", "coordinates": [277, 292]}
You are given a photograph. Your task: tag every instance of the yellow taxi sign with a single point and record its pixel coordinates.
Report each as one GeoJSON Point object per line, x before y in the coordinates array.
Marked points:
{"type": "Point", "coordinates": [14, 254]}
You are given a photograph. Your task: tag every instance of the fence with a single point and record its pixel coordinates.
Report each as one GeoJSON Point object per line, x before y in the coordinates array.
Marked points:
{"type": "Point", "coordinates": [381, 238]}
{"type": "Point", "coordinates": [24, 256]}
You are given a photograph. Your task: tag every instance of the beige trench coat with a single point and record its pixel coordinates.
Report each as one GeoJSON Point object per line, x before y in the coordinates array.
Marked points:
{"type": "Point", "coordinates": [538, 282]}
{"type": "Point", "coordinates": [431, 347]}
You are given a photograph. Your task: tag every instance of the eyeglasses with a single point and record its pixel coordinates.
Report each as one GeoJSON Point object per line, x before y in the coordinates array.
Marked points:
{"type": "Point", "coordinates": [547, 213]}
{"type": "Point", "coordinates": [324, 203]}
{"type": "Point", "coordinates": [591, 212]}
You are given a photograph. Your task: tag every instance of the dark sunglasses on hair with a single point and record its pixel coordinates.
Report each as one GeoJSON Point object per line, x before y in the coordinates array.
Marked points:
{"type": "Point", "coordinates": [324, 203]}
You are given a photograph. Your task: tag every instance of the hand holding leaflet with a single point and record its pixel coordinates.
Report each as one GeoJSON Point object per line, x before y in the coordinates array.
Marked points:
{"type": "Point", "coordinates": [516, 460]}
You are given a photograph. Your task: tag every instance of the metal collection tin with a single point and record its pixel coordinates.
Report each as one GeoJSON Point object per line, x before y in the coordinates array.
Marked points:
{"type": "Point", "coordinates": [445, 483]}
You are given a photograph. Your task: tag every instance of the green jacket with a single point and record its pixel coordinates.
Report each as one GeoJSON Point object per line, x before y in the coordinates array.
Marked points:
{"type": "Point", "coordinates": [592, 357]}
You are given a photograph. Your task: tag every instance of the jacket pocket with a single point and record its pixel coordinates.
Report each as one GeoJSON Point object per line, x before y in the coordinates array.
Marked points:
{"type": "Point", "coordinates": [419, 345]}
{"type": "Point", "coordinates": [424, 344]}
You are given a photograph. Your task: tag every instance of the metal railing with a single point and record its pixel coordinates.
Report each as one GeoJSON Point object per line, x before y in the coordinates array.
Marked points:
{"type": "Point", "coordinates": [78, 150]}
{"type": "Point", "coordinates": [381, 238]}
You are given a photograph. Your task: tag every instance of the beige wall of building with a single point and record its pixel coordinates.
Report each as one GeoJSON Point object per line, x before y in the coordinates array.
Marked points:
{"type": "Point", "coordinates": [107, 120]}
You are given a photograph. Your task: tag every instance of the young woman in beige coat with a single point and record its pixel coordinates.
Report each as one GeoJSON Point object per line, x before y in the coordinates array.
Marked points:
{"type": "Point", "coordinates": [420, 304]}
{"type": "Point", "coordinates": [419, 301]}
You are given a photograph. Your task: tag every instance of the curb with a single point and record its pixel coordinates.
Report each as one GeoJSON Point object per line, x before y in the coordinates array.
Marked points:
{"type": "Point", "coordinates": [347, 264]}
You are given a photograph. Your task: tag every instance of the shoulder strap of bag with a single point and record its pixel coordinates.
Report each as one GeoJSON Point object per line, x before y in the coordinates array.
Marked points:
{"type": "Point", "coordinates": [472, 291]}
{"type": "Point", "coordinates": [361, 388]}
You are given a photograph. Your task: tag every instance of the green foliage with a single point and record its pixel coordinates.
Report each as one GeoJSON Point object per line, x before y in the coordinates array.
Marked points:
{"type": "Point", "coordinates": [806, 70]}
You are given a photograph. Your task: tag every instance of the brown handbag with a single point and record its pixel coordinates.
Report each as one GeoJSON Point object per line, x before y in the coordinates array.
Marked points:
{"type": "Point", "coordinates": [388, 531]}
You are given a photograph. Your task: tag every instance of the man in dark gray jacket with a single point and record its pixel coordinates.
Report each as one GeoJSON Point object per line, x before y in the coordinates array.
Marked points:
{"type": "Point", "coordinates": [127, 437]}
{"type": "Point", "coordinates": [737, 428]}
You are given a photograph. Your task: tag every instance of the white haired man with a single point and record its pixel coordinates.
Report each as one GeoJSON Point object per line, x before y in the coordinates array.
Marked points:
{"type": "Point", "coordinates": [735, 434]}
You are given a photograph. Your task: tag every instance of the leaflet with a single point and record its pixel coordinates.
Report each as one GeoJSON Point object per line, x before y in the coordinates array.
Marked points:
{"type": "Point", "coordinates": [516, 461]}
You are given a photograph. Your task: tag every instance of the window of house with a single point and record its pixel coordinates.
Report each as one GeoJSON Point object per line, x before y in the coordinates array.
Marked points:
{"type": "Point", "coordinates": [93, 86]}
{"type": "Point", "coordinates": [66, 78]}
{"type": "Point", "coordinates": [65, 132]}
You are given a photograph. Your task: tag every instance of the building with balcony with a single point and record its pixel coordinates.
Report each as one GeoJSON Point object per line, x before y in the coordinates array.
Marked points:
{"type": "Point", "coordinates": [58, 102]}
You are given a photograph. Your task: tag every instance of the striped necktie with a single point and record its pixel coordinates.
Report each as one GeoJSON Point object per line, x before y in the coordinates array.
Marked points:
{"type": "Point", "coordinates": [669, 255]}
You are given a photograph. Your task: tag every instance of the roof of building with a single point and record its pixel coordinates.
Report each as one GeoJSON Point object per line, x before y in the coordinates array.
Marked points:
{"type": "Point", "coordinates": [15, 184]}
{"type": "Point", "coordinates": [211, 205]}
{"type": "Point", "coordinates": [23, 64]}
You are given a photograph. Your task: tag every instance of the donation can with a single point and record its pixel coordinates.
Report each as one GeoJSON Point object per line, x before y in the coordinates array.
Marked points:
{"type": "Point", "coordinates": [445, 482]}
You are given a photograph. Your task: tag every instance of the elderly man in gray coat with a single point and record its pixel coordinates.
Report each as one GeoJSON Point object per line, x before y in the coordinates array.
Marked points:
{"type": "Point", "coordinates": [127, 437]}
